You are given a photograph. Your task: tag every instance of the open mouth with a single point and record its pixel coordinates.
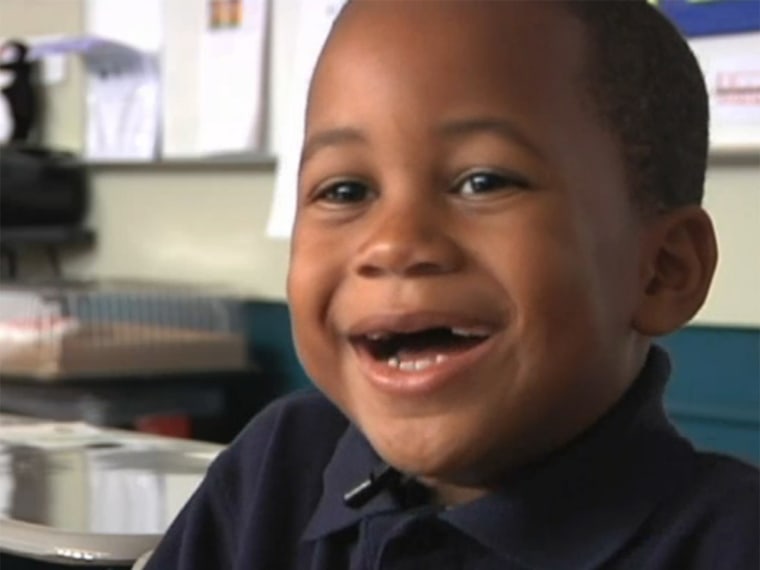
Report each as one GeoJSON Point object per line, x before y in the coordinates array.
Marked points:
{"type": "Point", "coordinates": [419, 350]}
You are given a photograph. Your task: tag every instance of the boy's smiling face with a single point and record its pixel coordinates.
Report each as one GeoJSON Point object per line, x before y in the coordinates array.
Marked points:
{"type": "Point", "coordinates": [465, 259]}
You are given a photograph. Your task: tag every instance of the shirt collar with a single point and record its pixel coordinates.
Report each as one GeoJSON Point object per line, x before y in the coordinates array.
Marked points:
{"type": "Point", "coordinates": [351, 464]}
{"type": "Point", "coordinates": [574, 509]}
{"type": "Point", "coordinates": [579, 506]}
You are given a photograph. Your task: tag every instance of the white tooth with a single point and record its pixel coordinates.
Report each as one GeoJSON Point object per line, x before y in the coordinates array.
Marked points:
{"type": "Point", "coordinates": [393, 362]}
{"type": "Point", "coordinates": [468, 332]}
{"type": "Point", "coordinates": [422, 364]}
{"type": "Point", "coordinates": [407, 365]}
{"type": "Point", "coordinates": [377, 336]}
{"type": "Point", "coordinates": [440, 358]}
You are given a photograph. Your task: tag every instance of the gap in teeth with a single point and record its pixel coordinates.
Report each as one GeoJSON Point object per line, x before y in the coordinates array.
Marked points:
{"type": "Point", "coordinates": [416, 364]}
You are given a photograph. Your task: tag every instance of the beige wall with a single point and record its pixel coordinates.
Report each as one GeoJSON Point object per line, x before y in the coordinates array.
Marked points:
{"type": "Point", "coordinates": [732, 197]}
{"type": "Point", "coordinates": [198, 224]}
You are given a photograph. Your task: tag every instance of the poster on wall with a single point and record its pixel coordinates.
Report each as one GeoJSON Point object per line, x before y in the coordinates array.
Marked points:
{"type": "Point", "coordinates": [731, 66]}
{"type": "Point", "coordinates": [725, 37]}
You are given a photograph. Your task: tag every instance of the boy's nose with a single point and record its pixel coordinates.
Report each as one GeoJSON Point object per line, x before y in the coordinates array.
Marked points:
{"type": "Point", "coordinates": [408, 244]}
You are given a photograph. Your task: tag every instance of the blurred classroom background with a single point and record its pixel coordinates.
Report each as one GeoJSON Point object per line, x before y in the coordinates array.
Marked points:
{"type": "Point", "coordinates": [159, 305]}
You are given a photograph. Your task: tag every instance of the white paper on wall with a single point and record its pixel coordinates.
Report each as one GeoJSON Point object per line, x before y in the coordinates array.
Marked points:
{"type": "Point", "coordinates": [137, 23]}
{"type": "Point", "coordinates": [231, 66]}
{"type": "Point", "coordinates": [123, 113]}
{"type": "Point", "coordinates": [214, 70]}
{"type": "Point", "coordinates": [315, 18]}
{"type": "Point", "coordinates": [123, 95]}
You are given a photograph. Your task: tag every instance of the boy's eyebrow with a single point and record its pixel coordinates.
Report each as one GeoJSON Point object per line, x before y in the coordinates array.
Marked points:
{"type": "Point", "coordinates": [453, 128]}
{"type": "Point", "coordinates": [501, 127]}
{"type": "Point", "coordinates": [331, 137]}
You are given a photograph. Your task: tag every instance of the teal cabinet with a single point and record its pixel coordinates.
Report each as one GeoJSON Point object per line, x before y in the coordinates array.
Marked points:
{"type": "Point", "coordinates": [714, 394]}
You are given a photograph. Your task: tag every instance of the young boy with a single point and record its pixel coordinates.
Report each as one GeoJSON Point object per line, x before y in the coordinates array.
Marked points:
{"type": "Point", "coordinates": [498, 210]}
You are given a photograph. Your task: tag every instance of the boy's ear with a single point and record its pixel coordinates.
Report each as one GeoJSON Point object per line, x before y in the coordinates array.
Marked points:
{"type": "Point", "coordinates": [679, 258]}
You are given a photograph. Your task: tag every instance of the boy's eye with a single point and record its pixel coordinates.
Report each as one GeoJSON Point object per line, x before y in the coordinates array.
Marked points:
{"type": "Point", "coordinates": [344, 192]}
{"type": "Point", "coordinates": [477, 183]}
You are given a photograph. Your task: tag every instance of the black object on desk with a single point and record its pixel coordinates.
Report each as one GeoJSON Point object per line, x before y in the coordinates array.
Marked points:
{"type": "Point", "coordinates": [50, 238]}
{"type": "Point", "coordinates": [44, 202]}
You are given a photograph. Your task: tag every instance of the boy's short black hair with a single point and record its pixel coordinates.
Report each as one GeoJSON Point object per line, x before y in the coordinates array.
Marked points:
{"type": "Point", "coordinates": [647, 86]}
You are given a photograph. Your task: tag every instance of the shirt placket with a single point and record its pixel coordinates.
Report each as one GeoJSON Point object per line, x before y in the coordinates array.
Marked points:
{"type": "Point", "coordinates": [394, 542]}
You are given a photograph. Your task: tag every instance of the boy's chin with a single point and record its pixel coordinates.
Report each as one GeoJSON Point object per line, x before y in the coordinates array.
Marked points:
{"type": "Point", "coordinates": [433, 461]}
{"type": "Point", "coordinates": [451, 481]}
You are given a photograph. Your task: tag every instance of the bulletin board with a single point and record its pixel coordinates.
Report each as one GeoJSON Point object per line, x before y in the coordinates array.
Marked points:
{"type": "Point", "coordinates": [725, 37]}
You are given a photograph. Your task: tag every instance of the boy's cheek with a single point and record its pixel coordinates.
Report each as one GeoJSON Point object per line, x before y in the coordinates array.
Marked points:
{"type": "Point", "coordinates": [316, 339]}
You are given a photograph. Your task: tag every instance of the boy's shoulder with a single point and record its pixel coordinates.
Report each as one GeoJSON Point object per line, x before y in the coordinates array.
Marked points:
{"type": "Point", "coordinates": [723, 486]}
{"type": "Point", "coordinates": [261, 490]}
{"type": "Point", "coordinates": [711, 520]}
{"type": "Point", "coordinates": [272, 472]}
{"type": "Point", "coordinates": [725, 471]}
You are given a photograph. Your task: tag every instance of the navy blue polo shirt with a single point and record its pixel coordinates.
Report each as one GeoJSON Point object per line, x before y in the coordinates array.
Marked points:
{"type": "Point", "coordinates": [630, 493]}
